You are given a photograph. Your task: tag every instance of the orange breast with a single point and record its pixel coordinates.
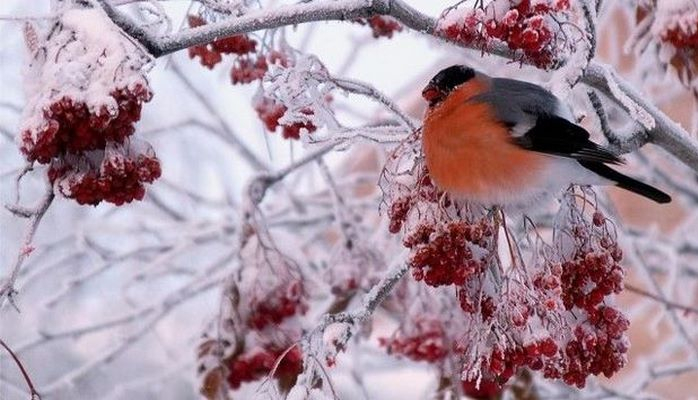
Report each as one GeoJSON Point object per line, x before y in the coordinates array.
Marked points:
{"type": "Point", "coordinates": [470, 154]}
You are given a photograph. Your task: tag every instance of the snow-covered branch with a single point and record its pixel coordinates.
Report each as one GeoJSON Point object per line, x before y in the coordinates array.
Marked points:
{"type": "Point", "coordinates": [34, 215]}
{"type": "Point", "coordinates": [664, 133]}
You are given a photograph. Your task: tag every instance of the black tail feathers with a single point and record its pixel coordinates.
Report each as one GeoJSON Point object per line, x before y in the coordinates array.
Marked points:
{"type": "Point", "coordinates": [627, 182]}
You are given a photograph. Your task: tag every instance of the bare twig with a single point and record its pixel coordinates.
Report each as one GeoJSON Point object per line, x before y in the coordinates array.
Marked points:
{"type": "Point", "coordinates": [665, 302]}
{"type": "Point", "coordinates": [32, 389]}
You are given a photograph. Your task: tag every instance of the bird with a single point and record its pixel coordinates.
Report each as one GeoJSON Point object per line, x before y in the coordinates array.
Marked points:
{"type": "Point", "coordinates": [506, 142]}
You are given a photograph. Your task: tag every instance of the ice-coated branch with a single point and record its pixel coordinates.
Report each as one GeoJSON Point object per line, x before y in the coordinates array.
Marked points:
{"type": "Point", "coordinates": [368, 90]}
{"type": "Point", "coordinates": [659, 128]}
{"type": "Point", "coordinates": [370, 303]}
{"type": "Point", "coordinates": [662, 131]}
{"type": "Point", "coordinates": [7, 289]}
{"type": "Point", "coordinates": [258, 186]}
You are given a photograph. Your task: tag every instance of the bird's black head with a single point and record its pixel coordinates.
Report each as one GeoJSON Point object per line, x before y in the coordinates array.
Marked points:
{"type": "Point", "coordinates": [443, 83]}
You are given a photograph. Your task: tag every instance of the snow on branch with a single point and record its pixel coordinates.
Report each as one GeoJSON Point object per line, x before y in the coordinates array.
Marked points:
{"type": "Point", "coordinates": [34, 215]}
{"type": "Point", "coordinates": [307, 252]}
{"type": "Point", "coordinates": [665, 133]}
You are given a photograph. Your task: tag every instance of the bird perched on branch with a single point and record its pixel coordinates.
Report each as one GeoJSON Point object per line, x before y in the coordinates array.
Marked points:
{"type": "Point", "coordinates": [498, 141]}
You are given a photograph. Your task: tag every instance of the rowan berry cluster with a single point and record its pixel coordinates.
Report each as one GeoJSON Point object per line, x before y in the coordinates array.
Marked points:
{"type": "Point", "coordinates": [212, 53]}
{"type": "Point", "coordinates": [502, 364]}
{"type": "Point", "coordinates": [590, 277]}
{"type": "Point", "coordinates": [424, 341]}
{"type": "Point", "coordinates": [681, 38]}
{"type": "Point", "coordinates": [599, 346]}
{"type": "Point", "coordinates": [682, 35]}
{"type": "Point", "coordinates": [81, 121]}
{"type": "Point", "coordinates": [270, 111]}
{"type": "Point", "coordinates": [90, 154]}
{"type": "Point", "coordinates": [561, 295]}
{"type": "Point", "coordinates": [284, 301]}
{"type": "Point", "coordinates": [119, 178]}
{"type": "Point", "coordinates": [674, 33]}
{"type": "Point", "coordinates": [258, 327]}
{"type": "Point", "coordinates": [403, 206]}
{"type": "Point", "coordinates": [596, 346]}
{"type": "Point", "coordinates": [249, 64]}
{"type": "Point", "coordinates": [381, 25]}
{"type": "Point", "coordinates": [443, 256]}
{"type": "Point", "coordinates": [442, 253]}
{"type": "Point", "coordinates": [70, 126]}
{"type": "Point", "coordinates": [257, 364]}
{"type": "Point", "coordinates": [527, 27]}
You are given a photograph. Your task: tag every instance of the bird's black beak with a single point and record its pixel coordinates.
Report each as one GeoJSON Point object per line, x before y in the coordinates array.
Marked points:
{"type": "Point", "coordinates": [432, 94]}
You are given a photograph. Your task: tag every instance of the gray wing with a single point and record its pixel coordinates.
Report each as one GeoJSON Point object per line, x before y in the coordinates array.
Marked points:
{"type": "Point", "coordinates": [539, 122]}
{"type": "Point", "coordinates": [521, 103]}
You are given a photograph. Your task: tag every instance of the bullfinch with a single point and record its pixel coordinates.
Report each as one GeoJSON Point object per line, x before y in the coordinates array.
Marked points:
{"type": "Point", "coordinates": [498, 141]}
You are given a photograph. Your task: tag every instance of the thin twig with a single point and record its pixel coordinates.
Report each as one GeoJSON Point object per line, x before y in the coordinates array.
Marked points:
{"type": "Point", "coordinates": [32, 389]}
{"type": "Point", "coordinates": [667, 303]}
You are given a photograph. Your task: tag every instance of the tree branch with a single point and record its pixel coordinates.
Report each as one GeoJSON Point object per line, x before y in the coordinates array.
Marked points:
{"type": "Point", "coordinates": [7, 289]}
{"type": "Point", "coordinates": [665, 133]}
{"type": "Point", "coordinates": [32, 389]}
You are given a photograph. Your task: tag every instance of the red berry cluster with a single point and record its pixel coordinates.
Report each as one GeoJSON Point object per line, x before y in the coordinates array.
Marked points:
{"type": "Point", "coordinates": [270, 111]}
{"type": "Point", "coordinates": [484, 388]}
{"type": "Point", "coordinates": [71, 126]}
{"type": "Point", "coordinates": [468, 298]}
{"type": "Point", "coordinates": [426, 341]}
{"type": "Point", "coordinates": [590, 277]}
{"type": "Point", "coordinates": [89, 151]}
{"type": "Point", "coordinates": [257, 337]}
{"type": "Point", "coordinates": [548, 285]}
{"type": "Point", "coordinates": [599, 346]}
{"type": "Point", "coordinates": [441, 253]}
{"type": "Point", "coordinates": [681, 38]}
{"type": "Point", "coordinates": [502, 364]}
{"type": "Point", "coordinates": [594, 271]}
{"type": "Point", "coordinates": [259, 363]}
{"type": "Point", "coordinates": [211, 54]}
{"type": "Point", "coordinates": [381, 25]}
{"type": "Point", "coordinates": [119, 179]}
{"type": "Point", "coordinates": [685, 59]}
{"type": "Point", "coordinates": [249, 65]}
{"type": "Point", "coordinates": [397, 213]}
{"type": "Point", "coordinates": [443, 256]}
{"type": "Point", "coordinates": [525, 27]}
{"type": "Point", "coordinates": [286, 300]}
{"type": "Point", "coordinates": [400, 208]}
{"type": "Point", "coordinates": [673, 29]}
{"type": "Point", "coordinates": [245, 70]}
